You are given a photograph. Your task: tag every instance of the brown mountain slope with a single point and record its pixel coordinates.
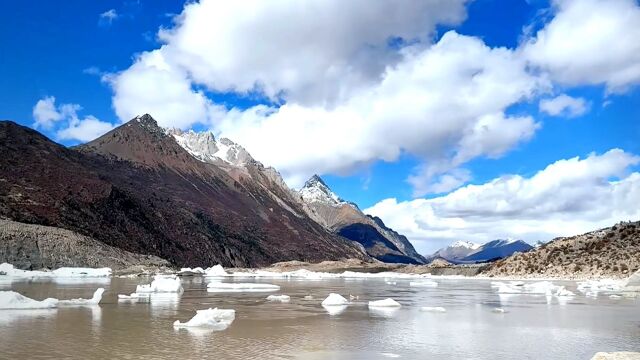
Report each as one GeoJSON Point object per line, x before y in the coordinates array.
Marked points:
{"type": "Point", "coordinates": [609, 252]}
{"type": "Point", "coordinates": [138, 190]}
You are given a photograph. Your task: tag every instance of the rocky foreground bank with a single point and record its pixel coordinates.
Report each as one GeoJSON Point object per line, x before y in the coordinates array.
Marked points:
{"type": "Point", "coordinates": [31, 247]}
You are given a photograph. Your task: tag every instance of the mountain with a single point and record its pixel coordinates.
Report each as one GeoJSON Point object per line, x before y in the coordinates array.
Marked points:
{"type": "Point", "coordinates": [456, 251]}
{"type": "Point", "coordinates": [608, 252]}
{"type": "Point", "coordinates": [315, 199]}
{"type": "Point", "coordinates": [497, 249]}
{"type": "Point", "coordinates": [468, 252]}
{"type": "Point", "coordinates": [137, 189]}
{"type": "Point", "coordinates": [347, 220]}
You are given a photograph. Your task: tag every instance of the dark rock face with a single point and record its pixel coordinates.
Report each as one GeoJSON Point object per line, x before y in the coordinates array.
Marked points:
{"type": "Point", "coordinates": [31, 247]}
{"type": "Point", "coordinates": [136, 189]}
{"type": "Point", "coordinates": [376, 244]}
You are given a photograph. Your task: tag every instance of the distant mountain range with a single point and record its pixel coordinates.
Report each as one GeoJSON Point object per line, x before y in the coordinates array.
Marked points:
{"type": "Point", "coordinates": [185, 197]}
{"type": "Point", "coordinates": [467, 252]}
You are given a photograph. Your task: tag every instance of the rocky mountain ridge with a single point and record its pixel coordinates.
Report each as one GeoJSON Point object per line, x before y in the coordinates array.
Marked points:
{"type": "Point", "coordinates": [461, 252]}
{"type": "Point", "coordinates": [135, 188]}
{"type": "Point", "coordinates": [608, 252]}
{"type": "Point", "coordinates": [315, 198]}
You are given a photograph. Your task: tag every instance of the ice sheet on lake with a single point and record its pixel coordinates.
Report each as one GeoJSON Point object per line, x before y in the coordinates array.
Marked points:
{"type": "Point", "coordinates": [241, 287]}
{"type": "Point", "coordinates": [436, 309]}
{"type": "Point", "coordinates": [95, 300]}
{"type": "Point", "coordinates": [602, 285]}
{"type": "Point", "coordinates": [64, 272]}
{"type": "Point", "coordinates": [218, 319]}
{"type": "Point", "coordinates": [388, 302]}
{"type": "Point", "coordinates": [279, 298]}
{"type": "Point", "coordinates": [161, 284]}
{"type": "Point", "coordinates": [15, 301]}
{"type": "Point", "coordinates": [423, 283]}
{"type": "Point", "coordinates": [335, 300]}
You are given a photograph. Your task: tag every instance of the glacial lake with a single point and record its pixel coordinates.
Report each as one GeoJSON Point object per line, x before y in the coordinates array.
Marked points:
{"type": "Point", "coordinates": [531, 327]}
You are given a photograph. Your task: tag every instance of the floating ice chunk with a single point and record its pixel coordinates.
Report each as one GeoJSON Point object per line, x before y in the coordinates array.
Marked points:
{"type": "Point", "coordinates": [614, 296]}
{"type": "Point", "coordinates": [241, 287]}
{"type": "Point", "coordinates": [219, 319]}
{"type": "Point", "coordinates": [593, 294]}
{"type": "Point", "coordinates": [335, 309]}
{"type": "Point", "coordinates": [161, 284]}
{"type": "Point", "coordinates": [391, 282]}
{"type": "Point", "coordinates": [187, 271]}
{"type": "Point", "coordinates": [132, 296]}
{"type": "Point", "coordinates": [216, 270]}
{"type": "Point", "coordinates": [498, 310]}
{"type": "Point", "coordinates": [382, 311]}
{"type": "Point", "coordinates": [437, 309]}
{"type": "Point", "coordinates": [423, 283]}
{"type": "Point", "coordinates": [602, 285]}
{"type": "Point", "coordinates": [280, 298]}
{"type": "Point", "coordinates": [541, 287]}
{"type": "Point", "coordinates": [335, 300]}
{"type": "Point", "coordinates": [95, 300]}
{"type": "Point", "coordinates": [308, 297]}
{"type": "Point", "coordinates": [508, 289]}
{"type": "Point", "coordinates": [562, 292]}
{"type": "Point", "coordinates": [388, 302]}
{"type": "Point", "coordinates": [75, 272]}
{"type": "Point", "coordinates": [14, 300]}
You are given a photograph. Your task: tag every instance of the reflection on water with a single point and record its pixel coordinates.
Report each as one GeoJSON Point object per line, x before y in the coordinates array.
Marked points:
{"type": "Point", "coordinates": [532, 326]}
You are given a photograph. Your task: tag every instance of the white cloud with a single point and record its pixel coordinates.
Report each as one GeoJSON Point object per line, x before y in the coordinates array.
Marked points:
{"type": "Point", "coordinates": [590, 42]}
{"type": "Point", "coordinates": [63, 120]}
{"type": "Point", "coordinates": [444, 104]}
{"type": "Point", "coordinates": [107, 17]}
{"type": "Point", "coordinates": [314, 52]}
{"type": "Point", "coordinates": [45, 113]}
{"type": "Point", "coordinates": [568, 197]}
{"type": "Point", "coordinates": [564, 105]}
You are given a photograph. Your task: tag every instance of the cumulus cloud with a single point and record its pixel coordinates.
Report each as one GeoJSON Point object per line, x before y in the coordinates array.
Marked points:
{"type": "Point", "coordinates": [45, 113]}
{"type": "Point", "coordinates": [590, 42]}
{"type": "Point", "coordinates": [107, 17]}
{"type": "Point", "coordinates": [568, 197]}
{"type": "Point", "coordinates": [564, 105]}
{"type": "Point", "coordinates": [64, 121]}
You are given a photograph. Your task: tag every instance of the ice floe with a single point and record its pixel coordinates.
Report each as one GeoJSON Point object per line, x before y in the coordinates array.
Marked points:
{"type": "Point", "coordinates": [498, 310]}
{"type": "Point", "coordinates": [603, 285]}
{"type": "Point", "coordinates": [219, 287]}
{"type": "Point", "coordinates": [218, 319]}
{"type": "Point", "coordinates": [95, 300]}
{"type": "Point", "coordinates": [216, 270]}
{"type": "Point", "coordinates": [423, 283]}
{"type": "Point", "coordinates": [68, 272]}
{"type": "Point", "coordinates": [13, 300]}
{"type": "Point", "coordinates": [161, 284]}
{"type": "Point", "coordinates": [191, 271]}
{"type": "Point", "coordinates": [335, 309]}
{"type": "Point", "coordinates": [562, 292]}
{"type": "Point", "coordinates": [279, 298]}
{"type": "Point", "coordinates": [436, 309]}
{"type": "Point", "coordinates": [388, 302]}
{"type": "Point", "coordinates": [335, 300]}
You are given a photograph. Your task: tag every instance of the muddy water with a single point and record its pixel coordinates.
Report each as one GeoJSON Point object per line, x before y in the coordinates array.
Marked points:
{"type": "Point", "coordinates": [532, 327]}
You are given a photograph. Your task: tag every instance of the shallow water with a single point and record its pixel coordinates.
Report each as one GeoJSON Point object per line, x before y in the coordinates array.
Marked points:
{"type": "Point", "coordinates": [531, 328]}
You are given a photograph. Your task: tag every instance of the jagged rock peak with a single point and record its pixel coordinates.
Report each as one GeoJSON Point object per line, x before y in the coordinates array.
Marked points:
{"type": "Point", "coordinates": [316, 190]}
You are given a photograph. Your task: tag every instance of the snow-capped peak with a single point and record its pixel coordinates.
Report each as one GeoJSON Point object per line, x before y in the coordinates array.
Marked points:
{"type": "Point", "coordinates": [203, 146]}
{"type": "Point", "coordinates": [315, 190]}
{"type": "Point", "coordinates": [465, 244]}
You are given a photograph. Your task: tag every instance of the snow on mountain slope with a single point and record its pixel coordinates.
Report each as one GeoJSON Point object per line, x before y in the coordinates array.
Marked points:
{"type": "Point", "coordinates": [316, 191]}
{"type": "Point", "coordinates": [465, 251]}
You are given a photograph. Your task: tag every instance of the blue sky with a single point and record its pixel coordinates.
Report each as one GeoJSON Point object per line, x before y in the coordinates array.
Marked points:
{"type": "Point", "coordinates": [76, 51]}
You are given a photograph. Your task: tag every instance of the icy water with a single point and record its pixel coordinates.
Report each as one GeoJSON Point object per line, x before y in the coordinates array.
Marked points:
{"type": "Point", "coordinates": [531, 328]}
